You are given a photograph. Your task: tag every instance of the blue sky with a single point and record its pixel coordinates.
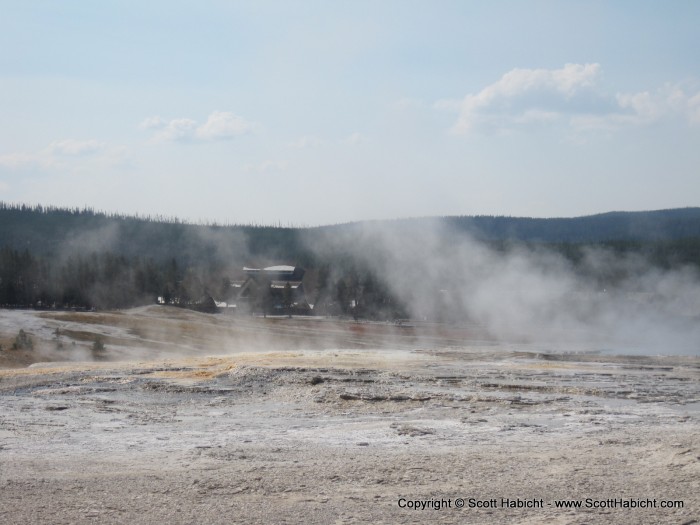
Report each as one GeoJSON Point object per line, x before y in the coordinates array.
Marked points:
{"type": "Point", "coordinates": [320, 112]}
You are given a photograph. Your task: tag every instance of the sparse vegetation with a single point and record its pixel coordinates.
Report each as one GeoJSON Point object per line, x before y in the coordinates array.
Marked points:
{"type": "Point", "coordinates": [23, 341]}
{"type": "Point", "coordinates": [57, 339]}
{"type": "Point", "coordinates": [98, 346]}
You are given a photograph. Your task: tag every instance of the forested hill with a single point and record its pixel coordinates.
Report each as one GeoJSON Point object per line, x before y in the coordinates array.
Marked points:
{"type": "Point", "coordinates": [614, 226]}
{"type": "Point", "coordinates": [57, 231]}
{"type": "Point", "coordinates": [83, 258]}
{"type": "Point", "coordinates": [643, 226]}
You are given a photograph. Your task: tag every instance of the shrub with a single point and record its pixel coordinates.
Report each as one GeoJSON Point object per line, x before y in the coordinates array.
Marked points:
{"type": "Point", "coordinates": [23, 341]}
{"type": "Point", "coordinates": [98, 346]}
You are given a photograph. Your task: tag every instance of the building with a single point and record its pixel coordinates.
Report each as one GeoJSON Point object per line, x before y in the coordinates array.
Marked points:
{"type": "Point", "coordinates": [271, 290]}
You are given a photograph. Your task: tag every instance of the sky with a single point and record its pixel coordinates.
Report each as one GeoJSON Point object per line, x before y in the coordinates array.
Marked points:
{"type": "Point", "coordinates": [318, 112]}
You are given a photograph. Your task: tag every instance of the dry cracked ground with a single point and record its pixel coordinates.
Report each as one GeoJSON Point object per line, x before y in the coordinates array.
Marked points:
{"type": "Point", "coordinates": [189, 418]}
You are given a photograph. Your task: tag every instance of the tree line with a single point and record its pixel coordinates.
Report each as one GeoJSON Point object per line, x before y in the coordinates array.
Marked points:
{"type": "Point", "coordinates": [72, 258]}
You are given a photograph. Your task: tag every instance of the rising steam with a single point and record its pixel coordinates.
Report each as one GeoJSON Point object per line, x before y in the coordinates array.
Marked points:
{"type": "Point", "coordinates": [528, 294]}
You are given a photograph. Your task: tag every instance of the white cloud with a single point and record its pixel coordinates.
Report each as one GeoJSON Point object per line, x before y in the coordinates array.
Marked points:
{"type": "Point", "coordinates": [568, 96]}
{"type": "Point", "coordinates": [177, 129]}
{"type": "Point", "coordinates": [640, 104]}
{"type": "Point", "coordinates": [643, 108]}
{"type": "Point", "coordinates": [71, 147]}
{"type": "Point", "coordinates": [17, 160]}
{"type": "Point", "coordinates": [308, 141]}
{"type": "Point", "coordinates": [223, 125]}
{"type": "Point", "coordinates": [153, 123]}
{"type": "Point", "coordinates": [220, 125]}
{"type": "Point", "coordinates": [537, 91]}
{"type": "Point", "coordinates": [65, 153]}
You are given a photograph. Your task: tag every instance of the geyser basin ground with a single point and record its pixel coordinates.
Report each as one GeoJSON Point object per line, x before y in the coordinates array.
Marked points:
{"type": "Point", "coordinates": [344, 435]}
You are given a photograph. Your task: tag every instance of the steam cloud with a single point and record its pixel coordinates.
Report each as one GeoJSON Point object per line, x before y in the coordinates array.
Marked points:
{"type": "Point", "coordinates": [517, 294]}
{"type": "Point", "coordinates": [528, 294]}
